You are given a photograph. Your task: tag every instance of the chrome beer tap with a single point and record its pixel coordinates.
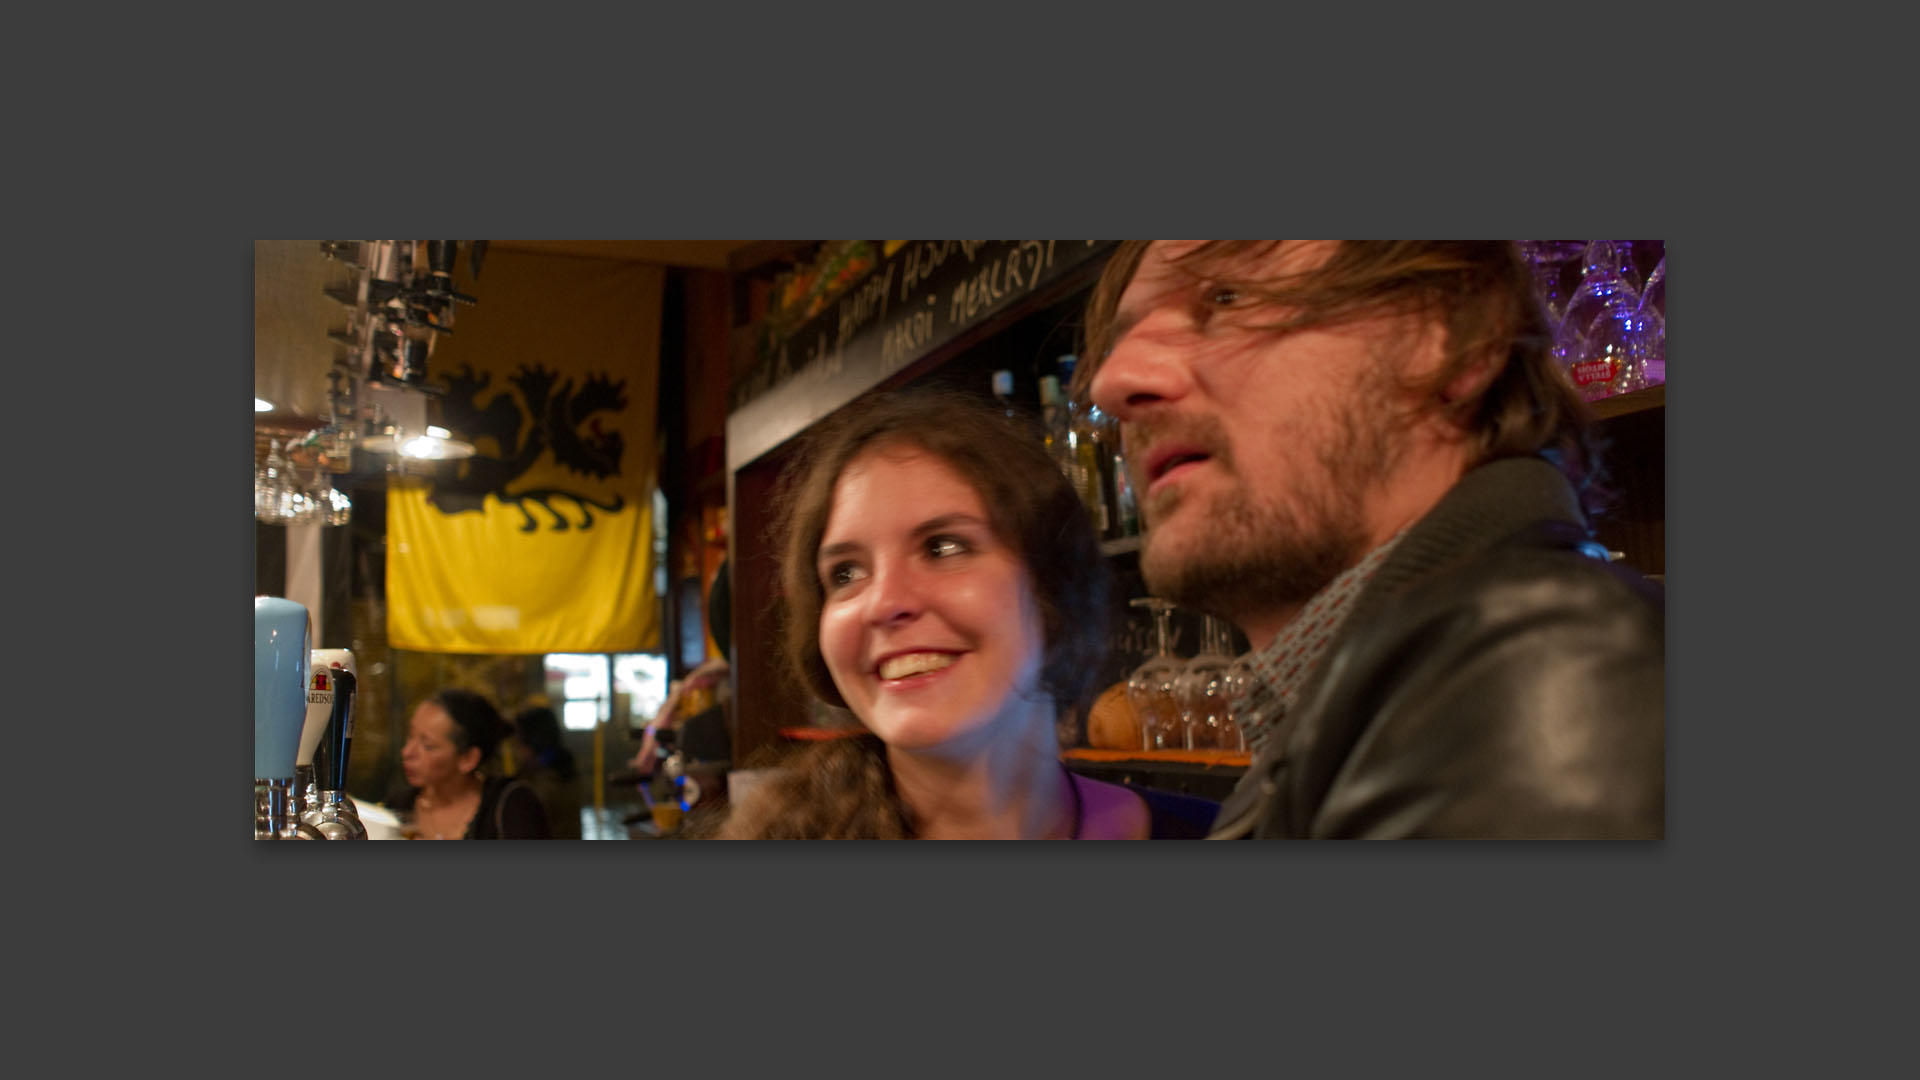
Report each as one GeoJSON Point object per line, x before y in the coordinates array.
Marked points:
{"type": "Point", "coordinates": [319, 710]}
{"type": "Point", "coordinates": [282, 631]}
{"type": "Point", "coordinates": [333, 813]}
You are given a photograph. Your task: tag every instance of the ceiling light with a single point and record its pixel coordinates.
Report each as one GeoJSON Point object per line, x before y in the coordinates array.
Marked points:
{"type": "Point", "coordinates": [262, 405]}
{"type": "Point", "coordinates": [438, 444]}
{"type": "Point", "coordinates": [435, 448]}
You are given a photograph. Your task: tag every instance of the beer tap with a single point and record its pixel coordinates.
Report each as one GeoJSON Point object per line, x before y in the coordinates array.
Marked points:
{"type": "Point", "coordinates": [336, 747]}
{"type": "Point", "coordinates": [282, 632]}
{"type": "Point", "coordinates": [320, 774]}
{"type": "Point", "coordinates": [441, 256]}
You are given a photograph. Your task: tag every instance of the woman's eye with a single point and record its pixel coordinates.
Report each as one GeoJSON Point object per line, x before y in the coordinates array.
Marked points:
{"type": "Point", "coordinates": [1222, 296]}
{"type": "Point", "coordinates": [842, 574]}
{"type": "Point", "coordinates": [941, 547]}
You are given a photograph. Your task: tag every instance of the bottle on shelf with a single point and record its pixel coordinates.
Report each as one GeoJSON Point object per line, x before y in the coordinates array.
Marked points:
{"type": "Point", "coordinates": [1126, 507]}
{"type": "Point", "coordinates": [1092, 442]}
{"type": "Point", "coordinates": [1053, 425]}
{"type": "Point", "coordinates": [1065, 444]}
{"type": "Point", "coordinates": [1017, 418]}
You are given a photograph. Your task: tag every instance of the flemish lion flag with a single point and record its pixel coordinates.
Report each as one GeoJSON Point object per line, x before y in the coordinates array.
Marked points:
{"type": "Point", "coordinates": [543, 540]}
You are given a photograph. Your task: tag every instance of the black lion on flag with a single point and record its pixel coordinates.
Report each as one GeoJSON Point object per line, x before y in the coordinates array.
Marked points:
{"type": "Point", "coordinates": [563, 421]}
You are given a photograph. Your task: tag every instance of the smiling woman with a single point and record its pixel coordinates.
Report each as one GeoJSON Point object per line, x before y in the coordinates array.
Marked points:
{"type": "Point", "coordinates": [942, 582]}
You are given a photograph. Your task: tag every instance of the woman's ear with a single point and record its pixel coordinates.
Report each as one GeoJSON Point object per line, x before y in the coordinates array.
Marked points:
{"type": "Point", "coordinates": [469, 759]}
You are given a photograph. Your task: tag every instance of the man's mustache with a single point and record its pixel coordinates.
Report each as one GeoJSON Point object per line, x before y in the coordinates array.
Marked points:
{"type": "Point", "coordinates": [1139, 438]}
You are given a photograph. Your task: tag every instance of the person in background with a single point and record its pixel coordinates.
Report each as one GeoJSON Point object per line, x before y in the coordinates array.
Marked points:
{"type": "Point", "coordinates": [451, 740]}
{"type": "Point", "coordinates": [943, 583]}
{"type": "Point", "coordinates": [1362, 454]}
{"type": "Point", "coordinates": [708, 680]}
{"type": "Point", "coordinates": [547, 766]}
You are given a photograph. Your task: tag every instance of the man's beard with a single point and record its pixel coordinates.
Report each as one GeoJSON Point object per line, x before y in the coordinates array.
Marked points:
{"type": "Point", "coordinates": [1249, 558]}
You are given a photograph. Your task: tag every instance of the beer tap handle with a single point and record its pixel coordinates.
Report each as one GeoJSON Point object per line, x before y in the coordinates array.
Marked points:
{"type": "Point", "coordinates": [281, 657]}
{"type": "Point", "coordinates": [440, 258]}
{"type": "Point", "coordinates": [318, 706]}
{"type": "Point", "coordinates": [334, 683]}
{"type": "Point", "coordinates": [339, 736]}
{"type": "Point", "coordinates": [282, 635]}
{"type": "Point", "coordinates": [441, 255]}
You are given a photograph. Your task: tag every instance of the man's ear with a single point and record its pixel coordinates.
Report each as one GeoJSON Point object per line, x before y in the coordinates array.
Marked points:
{"type": "Point", "coordinates": [1465, 388]}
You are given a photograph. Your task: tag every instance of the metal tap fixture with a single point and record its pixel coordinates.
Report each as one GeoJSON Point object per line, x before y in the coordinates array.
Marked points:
{"type": "Point", "coordinates": [320, 775]}
{"type": "Point", "coordinates": [404, 300]}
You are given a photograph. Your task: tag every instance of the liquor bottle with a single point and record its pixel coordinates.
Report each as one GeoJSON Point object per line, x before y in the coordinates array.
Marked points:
{"type": "Point", "coordinates": [1020, 420]}
{"type": "Point", "coordinates": [1003, 393]}
{"type": "Point", "coordinates": [1053, 425]}
{"type": "Point", "coordinates": [1115, 486]}
{"type": "Point", "coordinates": [1088, 444]}
{"type": "Point", "coordinates": [1126, 506]}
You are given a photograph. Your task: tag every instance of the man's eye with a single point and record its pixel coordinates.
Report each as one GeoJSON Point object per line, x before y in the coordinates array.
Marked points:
{"type": "Point", "coordinates": [1222, 296]}
{"type": "Point", "coordinates": [941, 547]}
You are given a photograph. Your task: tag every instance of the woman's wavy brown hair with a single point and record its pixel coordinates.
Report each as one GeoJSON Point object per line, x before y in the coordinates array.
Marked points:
{"type": "Point", "coordinates": [841, 788]}
{"type": "Point", "coordinates": [1482, 294]}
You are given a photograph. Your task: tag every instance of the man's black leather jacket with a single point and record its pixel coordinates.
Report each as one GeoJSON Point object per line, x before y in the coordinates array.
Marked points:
{"type": "Point", "coordinates": [1496, 678]}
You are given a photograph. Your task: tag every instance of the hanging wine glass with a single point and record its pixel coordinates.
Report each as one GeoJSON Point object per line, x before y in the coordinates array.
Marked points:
{"type": "Point", "coordinates": [1548, 259]}
{"type": "Point", "coordinates": [1150, 686]}
{"type": "Point", "coordinates": [1619, 353]}
{"type": "Point", "coordinates": [1201, 691]}
{"type": "Point", "coordinates": [1654, 294]}
{"type": "Point", "coordinates": [1629, 273]}
{"type": "Point", "coordinates": [277, 496]}
{"type": "Point", "coordinates": [1653, 309]}
{"type": "Point", "coordinates": [1603, 300]}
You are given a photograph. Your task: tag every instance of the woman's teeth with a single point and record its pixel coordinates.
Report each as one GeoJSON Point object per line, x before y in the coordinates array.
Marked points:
{"type": "Point", "coordinates": [899, 667]}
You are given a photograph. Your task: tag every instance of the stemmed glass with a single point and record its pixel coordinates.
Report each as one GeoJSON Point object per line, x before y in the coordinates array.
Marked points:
{"type": "Point", "coordinates": [1150, 687]}
{"type": "Point", "coordinates": [1546, 258]}
{"type": "Point", "coordinates": [1202, 691]}
{"type": "Point", "coordinates": [1241, 676]}
{"type": "Point", "coordinates": [1600, 343]}
{"type": "Point", "coordinates": [1654, 293]}
{"type": "Point", "coordinates": [1653, 309]}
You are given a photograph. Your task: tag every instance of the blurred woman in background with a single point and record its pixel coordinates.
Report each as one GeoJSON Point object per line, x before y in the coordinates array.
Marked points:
{"type": "Point", "coordinates": [546, 765]}
{"type": "Point", "coordinates": [451, 739]}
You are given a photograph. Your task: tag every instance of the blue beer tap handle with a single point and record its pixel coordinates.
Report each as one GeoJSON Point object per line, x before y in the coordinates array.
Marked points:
{"type": "Point", "coordinates": [282, 635]}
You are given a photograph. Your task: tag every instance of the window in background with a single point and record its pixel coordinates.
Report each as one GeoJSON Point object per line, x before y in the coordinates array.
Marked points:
{"type": "Point", "coordinates": [641, 679]}
{"type": "Point", "coordinates": [578, 683]}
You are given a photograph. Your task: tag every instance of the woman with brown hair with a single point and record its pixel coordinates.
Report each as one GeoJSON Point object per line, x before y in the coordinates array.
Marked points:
{"type": "Point", "coordinates": [942, 582]}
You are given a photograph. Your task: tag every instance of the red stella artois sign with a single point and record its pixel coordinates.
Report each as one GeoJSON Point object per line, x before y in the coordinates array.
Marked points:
{"type": "Point", "coordinates": [1593, 371]}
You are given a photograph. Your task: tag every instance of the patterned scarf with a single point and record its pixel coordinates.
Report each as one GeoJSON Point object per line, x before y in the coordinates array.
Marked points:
{"type": "Point", "coordinates": [1281, 669]}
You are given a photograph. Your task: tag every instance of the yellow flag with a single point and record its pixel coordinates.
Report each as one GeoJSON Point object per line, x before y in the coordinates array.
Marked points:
{"type": "Point", "coordinates": [543, 540]}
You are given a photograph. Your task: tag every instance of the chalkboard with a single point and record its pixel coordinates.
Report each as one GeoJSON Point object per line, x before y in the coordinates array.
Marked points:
{"type": "Point", "coordinates": [913, 303]}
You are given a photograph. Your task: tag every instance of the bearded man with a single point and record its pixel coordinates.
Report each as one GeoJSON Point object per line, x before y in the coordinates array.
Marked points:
{"type": "Point", "coordinates": [1362, 454]}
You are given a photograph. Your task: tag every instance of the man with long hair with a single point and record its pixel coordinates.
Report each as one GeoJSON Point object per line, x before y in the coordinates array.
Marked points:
{"type": "Point", "coordinates": [1362, 454]}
